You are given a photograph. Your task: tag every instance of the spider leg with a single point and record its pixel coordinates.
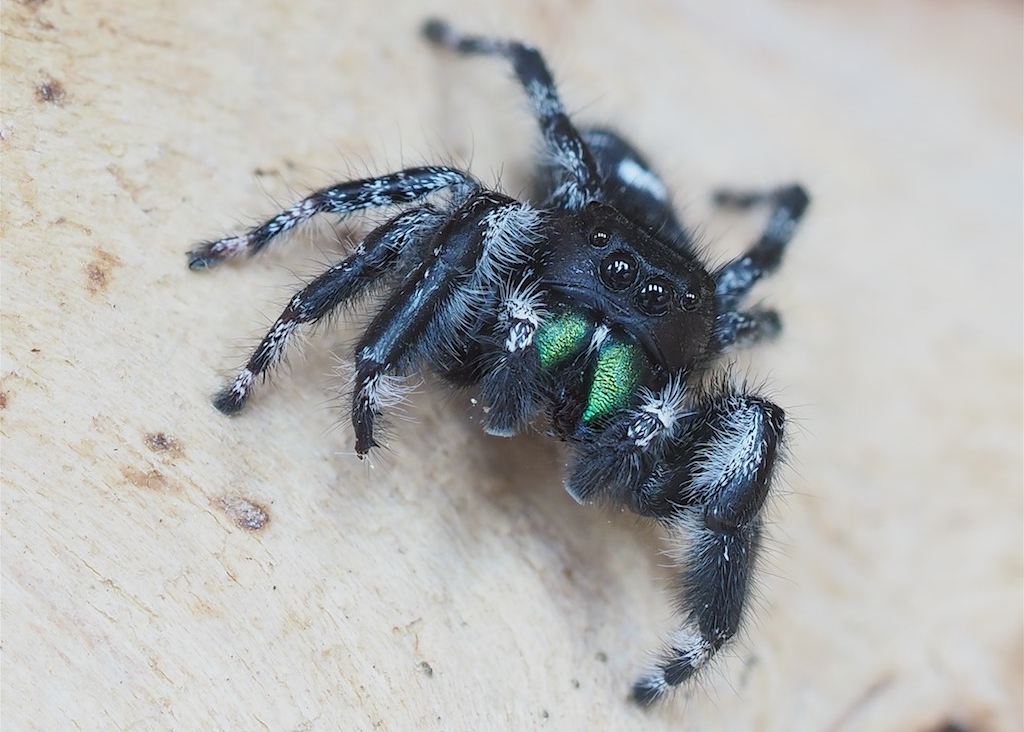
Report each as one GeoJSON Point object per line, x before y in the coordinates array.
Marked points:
{"type": "Point", "coordinates": [403, 187]}
{"type": "Point", "coordinates": [620, 459]}
{"type": "Point", "coordinates": [743, 328]}
{"type": "Point", "coordinates": [580, 181]}
{"type": "Point", "coordinates": [342, 283]}
{"type": "Point", "coordinates": [708, 493]}
{"type": "Point", "coordinates": [632, 186]}
{"type": "Point", "coordinates": [736, 278]}
{"type": "Point", "coordinates": [511, 387]}
{"type": "Point", "coordinates": [439, 300]}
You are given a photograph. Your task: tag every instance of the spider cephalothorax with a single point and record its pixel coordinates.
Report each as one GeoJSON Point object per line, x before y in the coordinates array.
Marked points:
{"type": "Point", "coordinates": [588, 308]}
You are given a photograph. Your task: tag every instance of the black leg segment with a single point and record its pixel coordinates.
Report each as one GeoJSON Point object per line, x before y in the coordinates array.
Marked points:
{"type": "Point", "coordinates": [581, 182]}
{"type": "Point", "coordinates": [737, 278]}
{"type": "Point", "coordinates": [403, 187]}
{"type": "Point", "coordinates": [710, 500]}
{"type": "Point", "coordinates": [339, 285]}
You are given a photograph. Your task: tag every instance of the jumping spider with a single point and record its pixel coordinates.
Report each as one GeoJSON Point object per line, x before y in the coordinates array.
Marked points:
{"type": "Point", "coordinates": [589, 307]}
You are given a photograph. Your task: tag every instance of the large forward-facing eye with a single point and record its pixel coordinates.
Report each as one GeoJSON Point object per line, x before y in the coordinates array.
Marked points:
{"type": "Point", "coordinates": [655, 297]}
{"type": "Point", "coordinates": [618, 270]}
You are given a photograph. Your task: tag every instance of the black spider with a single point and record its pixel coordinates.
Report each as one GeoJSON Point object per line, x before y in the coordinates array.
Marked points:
{"type": "Point", "coordinates": [590, 308]}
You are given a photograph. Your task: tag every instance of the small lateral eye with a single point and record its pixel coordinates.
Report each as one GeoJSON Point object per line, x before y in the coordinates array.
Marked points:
{"type": "Point", "coordinates": [618, 270]}
{"type": "Point", "coordinates": [689, 301]}
{"type": "Point", "coordinates": [599, 238]}
{"type": "Point", "coordinates": [655, 297]}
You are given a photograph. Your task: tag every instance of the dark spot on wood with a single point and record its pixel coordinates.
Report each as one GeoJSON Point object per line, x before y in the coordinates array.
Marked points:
{"type": "Point", "coordinates": [601, 656]}
{"type": "Point", "coordinates": [98, 271]}
{"type": "Point", "coordinates": [35, 350]}
{"type": "Point", "coordinates": [245, 514]}
{"type": "Point", "coordinates": [575, 683]}
{"type": "Point", "coordinates": [162, 442]}
{"type": "Point", "coordinates": [50, 91]}
{"type": "Point", "coordinates": [425, 668]}
{"type": "Point", "coordinates": [748, 665]}
{"type": "Point", "coordinates": [97, 277]}
{"type": "Point", "coordinates": [3, 400]}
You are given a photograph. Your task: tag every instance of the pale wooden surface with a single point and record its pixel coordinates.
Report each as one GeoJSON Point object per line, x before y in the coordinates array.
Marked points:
{"type": "Point", "coordinates": [133, 600]}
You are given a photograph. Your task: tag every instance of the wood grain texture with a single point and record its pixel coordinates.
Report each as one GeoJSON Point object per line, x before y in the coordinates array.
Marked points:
{"type": "Point", "coordinates": [166, 568]}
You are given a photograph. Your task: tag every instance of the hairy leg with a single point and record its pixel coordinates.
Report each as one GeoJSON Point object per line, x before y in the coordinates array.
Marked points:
{"type": "Point", "coordinates": [709, 494]}
{"type": "Point", "coordinates": [440, 300]}
{"type": "Point", "coordinates": [339, 285]}
{"type": "Point", "coordinates": [403, 187]}
{"type": "Point", "coordinates": [580, 181]}
{"type": "Point", "coordinates": [736, 278]}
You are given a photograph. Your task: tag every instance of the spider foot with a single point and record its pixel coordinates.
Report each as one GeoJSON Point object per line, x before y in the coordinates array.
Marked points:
{"type": "Point", "coordinates": [211, 253]}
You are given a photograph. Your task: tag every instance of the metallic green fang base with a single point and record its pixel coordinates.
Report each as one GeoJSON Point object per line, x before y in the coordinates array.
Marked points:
{"type": "Point", "coordinates": [615, 378]}
{"type": "Point", "coordinates": [616, 372]}
{"type": "Point", "coordinates": [562, 337]}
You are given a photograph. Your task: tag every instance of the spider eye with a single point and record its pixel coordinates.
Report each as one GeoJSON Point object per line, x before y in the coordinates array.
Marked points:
{"type": "Point", "coordinates": [689, 301]}
{"type": "Point", "coordinates": [599, 238]}
{"type": "Point", "coordinates": [618, 270]}
{"type": "Point", "coordinates": [655, 297]}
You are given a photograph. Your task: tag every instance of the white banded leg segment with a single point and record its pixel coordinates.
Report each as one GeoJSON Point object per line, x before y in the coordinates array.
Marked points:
{"type": "Point", "coordinates": [376, 391]}
{"type": "Point", "coordinates": [744, 328]}
{"type": "Point", "coordinates": [566, 148]}
{"type": "Point", "coordinates": [713, 588]}
{"type": "Point", "coordinates": [438, 302]}
{"type": "Point", "coordinates": [709, 499]}
{"type": "Point", "coordinates": [511, 231]}
{"type": "Point", "coordinates": [512, 382]}
{"type": "Point", "coordinates": [735, 279]}
{"type": "Point", "coordinates": [340, 284]}
{"type": "Point", "coordinates": [512, 234]}
{"type": "Point", "coordinates": [736, 451]}
{"type": "Point", "coordinates": [403, 187]}
{"type": "Point", "coordinates": [686, 652]}
{"type": "Point", "coordinates": [621, 459]}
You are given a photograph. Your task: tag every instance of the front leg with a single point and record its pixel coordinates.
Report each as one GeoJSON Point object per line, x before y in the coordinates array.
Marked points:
{"type": "Point", "coordinates": [708, 494]}
{"type": "Point", "coordinates": [618, 461]}
{"type": "Point", "coordinates": [580, 180]}
{"type": "Point", "coordinates": [438, 304]}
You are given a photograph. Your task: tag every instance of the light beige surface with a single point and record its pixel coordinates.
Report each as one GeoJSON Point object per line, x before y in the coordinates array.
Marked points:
{"type": "Point", "coordinates": [455, 585]}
